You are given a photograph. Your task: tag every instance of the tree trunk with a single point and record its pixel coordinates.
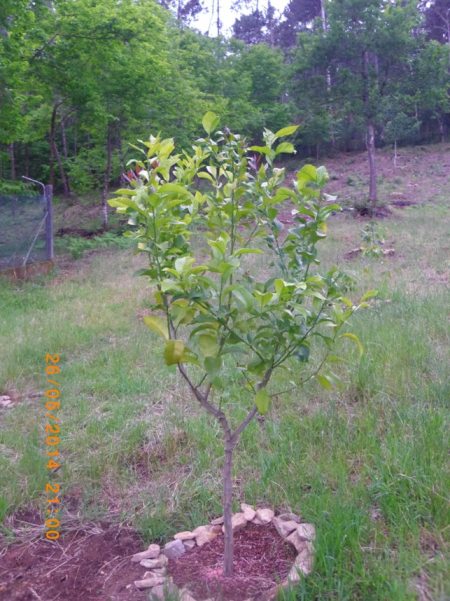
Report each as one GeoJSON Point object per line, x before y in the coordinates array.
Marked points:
{"type": "Point", "coordinates": [107, 177]}
{"type": "Point", "coordinates": [64, 138]}
{"type": "Point", "coordinates": [55, 155]}
{"type": "Point", "coordinates": [370, 143]}
{"type": "Point", "coordinates": [228, 509]}
{"type": "Point", "coordinates": [441, 129]}
{"type": "Point", "coordinates": [219, 23]}
{"type": "Point", "coordinates": [323, 17]}
{"type": "Point", "coordinates": [12, 160]}
{"type": "Point", "coordinates": [27, 160]}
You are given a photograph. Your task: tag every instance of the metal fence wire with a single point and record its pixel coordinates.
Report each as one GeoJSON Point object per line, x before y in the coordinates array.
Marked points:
{"type": "Point", "coordinates": [23, 230]}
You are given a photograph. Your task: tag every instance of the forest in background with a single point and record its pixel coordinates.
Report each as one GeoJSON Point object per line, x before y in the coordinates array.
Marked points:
{"type": "Point", "coordinates": [82, 80]}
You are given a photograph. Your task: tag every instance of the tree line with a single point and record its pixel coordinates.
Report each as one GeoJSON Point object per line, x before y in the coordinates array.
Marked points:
{"type": "Point", "coordinates": [81, 80]}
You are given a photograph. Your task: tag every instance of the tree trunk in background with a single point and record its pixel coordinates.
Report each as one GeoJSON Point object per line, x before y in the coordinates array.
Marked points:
{"type": "Point", "coordinates": [64, 138]}
{"type": "Point", "coordinates": [370, 143]}
{"type": "Point", "coordinates": [27, 160]}
{"type": "Point", "coordinates": [55, 155]}
{"type": "Point", "coordinates": [219, 24]}
{"type": "Point", "coordinates": [370, 131]}
{"type": "Point", "coordinates": [107, 177]}
{"type": "Point", "coordinates": [12, 160]}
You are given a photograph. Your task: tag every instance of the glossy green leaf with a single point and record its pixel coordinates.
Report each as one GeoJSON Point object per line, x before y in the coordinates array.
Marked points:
{"type": "Point", "coordinates": [208, 345]}
{"type": "Point", "coordinates": [262, 401]}
{"type": "Point", "coordinates": [354, 338]}
{"type": "Point", "coordinates": [210, 122]}
{"type": "Point", "coordinates": [324, 381]}
{"type": "Point", "coordinates": [286, 131]}
{"type": "Point", "coordinates": [158, 325]}
{"type": "Point", "coordinates": [285, 148]}
{"type": "Point", "coordinates": [368, 295]}
{"type": "Point", "coordinates": [174, 351]}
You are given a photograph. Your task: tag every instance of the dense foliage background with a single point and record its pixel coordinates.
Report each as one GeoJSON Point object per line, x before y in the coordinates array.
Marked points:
{"type": "Point", "coordinates": [81, 80]}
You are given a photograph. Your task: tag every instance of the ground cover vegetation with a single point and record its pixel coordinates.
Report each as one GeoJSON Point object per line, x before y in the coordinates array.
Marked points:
{"type": "Point", "coordinates": [365, 462]}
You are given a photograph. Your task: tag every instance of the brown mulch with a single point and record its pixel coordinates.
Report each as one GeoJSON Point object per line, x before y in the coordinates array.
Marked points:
{"type": "Point", "coordinates": [262, 559]}
{"type": "Point", "coordinates": [87, 564]}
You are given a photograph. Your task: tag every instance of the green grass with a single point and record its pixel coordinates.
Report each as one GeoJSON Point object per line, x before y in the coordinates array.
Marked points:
{"type": "Point", "coordinates": [366, 463]}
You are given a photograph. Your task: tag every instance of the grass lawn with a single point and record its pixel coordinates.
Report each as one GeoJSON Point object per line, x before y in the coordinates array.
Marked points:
{"type": "Point", "coordinates": [366, 463]}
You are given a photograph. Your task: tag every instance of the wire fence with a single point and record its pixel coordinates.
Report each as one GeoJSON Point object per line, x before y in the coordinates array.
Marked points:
{"type": "Point", "coordinates": [25, 230]}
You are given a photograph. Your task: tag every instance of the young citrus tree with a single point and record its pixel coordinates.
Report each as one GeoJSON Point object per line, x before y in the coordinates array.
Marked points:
{"type": "Point", "coordinates": [201, 217]}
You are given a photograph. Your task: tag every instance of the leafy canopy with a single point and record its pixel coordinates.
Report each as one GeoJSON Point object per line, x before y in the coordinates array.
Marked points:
{"type": "Point", "coordinates": [232, 284]}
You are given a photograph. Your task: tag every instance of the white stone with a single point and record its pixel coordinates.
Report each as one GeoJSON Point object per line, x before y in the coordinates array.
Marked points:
{"type": "Point", "coordinates": [152, 564]}
{"type": "Point", "coordinates": [189, 544]}
{"type": "Point", "coordinates": [149, 582]}
{"type": "Point", "coordinates": [306, 531]}
{"type": "Point", "coordinates": [156, 572]}
{"type": "Point", "coordinates": [159, 592]}
{"type": "Point", "coordinates": [302, 565]}
{"type": "Point", "coordinates": [284, 528]}
{"type": "Point", "coordinates": [186, 595]}
{"type": "Point", "coordinates": [265, 515]}
{"type": "Point", "coordinates": [217, 521]}
{"type": "Point", "coordinates": [298, 542]}
{"type": "Point", "coordinates": [174, 549]}
{"type": "Point", "coordinates": [186, 535]}
{"type": "Point", "coordinates": [289, 517]}
{"type": "Point", "coordinates": [206, 536]}
{"type": "Point", "coordinates": [238, 521]}
{"type": "Point", "coordinates": [201, 529]}
{"type": "Point", "coordinates": [248, 511]}
{"type": "Point", "coordinates": [152, 553]}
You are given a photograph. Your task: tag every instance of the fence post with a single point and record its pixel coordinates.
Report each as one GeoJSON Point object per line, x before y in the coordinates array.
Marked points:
{"type": "Point", "coordinates": [49, 223]}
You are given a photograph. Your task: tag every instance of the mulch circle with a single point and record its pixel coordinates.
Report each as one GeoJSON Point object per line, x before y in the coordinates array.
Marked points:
{"type": "Point", "coordinates": [91, 563]}
{"type": "Point", "coordinates": [262, 559]}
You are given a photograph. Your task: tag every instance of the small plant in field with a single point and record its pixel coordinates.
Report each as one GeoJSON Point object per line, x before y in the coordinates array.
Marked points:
{"type": "Point", "coordinates": [372, 240]}
{"type": "Point", "coordinates": [213, 308]}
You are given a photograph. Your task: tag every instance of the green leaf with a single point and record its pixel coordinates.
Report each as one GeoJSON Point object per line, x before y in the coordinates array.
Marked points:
{"type": "Point", "coordinates": [306, 175]}
{"type": "Point", "coordinates": [210, 122]}
{"type": "Point", "coordinates": [369, 294]}
{"type": "Point", "coordinates": [324, 381]}
{"type": "Point", "coordinates": [158, 325]}
{"type": "Point", "coordinates": [248, 251]}
{"type": "Point", "coordinates": [262, 401]}
{"type": "Point", "coordinates": [260, 149]}
{"type": "Point", "coordinates": [354, 338]}
{"type": "Point", "coordinates": [286, 131]}
{"type": "Point", "coordinates": [208, 345]}
{"type": "Point", "coordinates": [174, 351]}
{"type": "Point", "coordinates": [213, 365]}
{"type": "Point", "coordinates": [285, 147]}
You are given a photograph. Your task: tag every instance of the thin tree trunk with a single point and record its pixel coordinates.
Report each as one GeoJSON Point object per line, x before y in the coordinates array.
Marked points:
{"type": "Point", "coordinates": [323, 16]}
{"type": "Point", "coordinates": [219, 24]}
{"type": "Point", "coordinates": [441, 129]}
{"type": "Point", "coordinates": [370, 131]}
{"type": "Point", "coordinates": [12, 160]}
{"type": "Point", "coordinates": [370, 143]}
{"type": "Point", "coordinates": [64, 138]}
{"type": "Point", "coordinates": [395, 155]}
{"type": "Point", "coordinates": [27, 160]}
{"type": "Point", "coordinates": [107, 177]}
{"type": "Point", "coordinates": [228, 509]}
{"type": "Point", "coordinates": [55, 155]}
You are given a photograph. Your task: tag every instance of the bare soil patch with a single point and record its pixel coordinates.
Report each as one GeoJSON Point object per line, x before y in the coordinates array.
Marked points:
{"type": "Point", "coordinates": [86, 564]}
{"type": "Point", "coordinates": [262, 559]}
